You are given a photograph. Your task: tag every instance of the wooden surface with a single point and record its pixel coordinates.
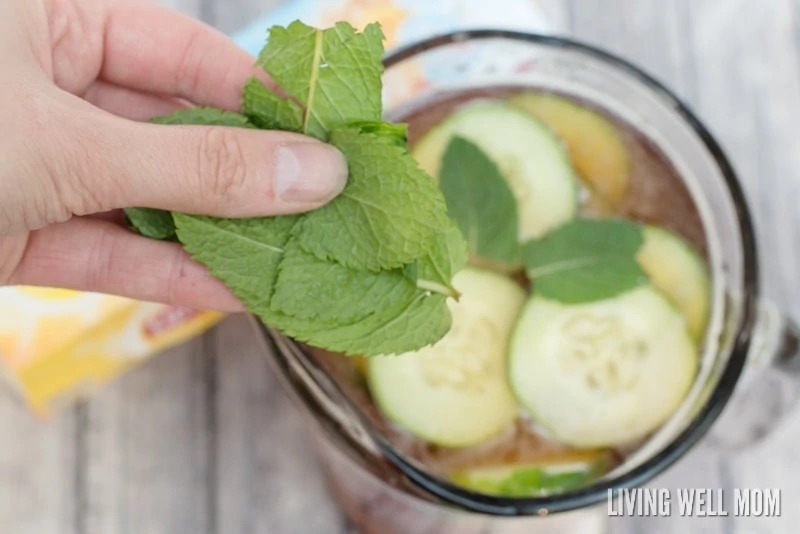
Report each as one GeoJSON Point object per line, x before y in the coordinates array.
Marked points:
{"type": "Point", "coordinates": [202, 440]}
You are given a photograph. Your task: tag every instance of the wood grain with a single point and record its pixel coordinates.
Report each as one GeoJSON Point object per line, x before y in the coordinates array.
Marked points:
{"type": "Point", "coordinates": [749, 92]}
{"type": "Point", "coordinates": [38, 474]}
{"type": "Point", "coordinates": [146, 448]}
{"type": "Point", "coordinates": [266, 470]}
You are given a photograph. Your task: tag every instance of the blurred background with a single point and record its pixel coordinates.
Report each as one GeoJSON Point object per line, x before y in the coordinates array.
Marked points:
{"type": "Point", "coordinates": [202, 440]}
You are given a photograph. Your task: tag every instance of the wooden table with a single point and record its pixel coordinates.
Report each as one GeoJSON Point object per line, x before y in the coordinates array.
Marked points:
{"type": "Point", "coordinates": [203, 441]}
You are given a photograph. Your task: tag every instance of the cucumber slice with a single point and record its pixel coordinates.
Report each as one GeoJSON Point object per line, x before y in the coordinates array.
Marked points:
{"type": "Point", "coordinates": [527, 152]}
{"type": "Point", "coordinates": [595, 146]}
{"type": "Point", "coordinates": [545, 477]}
{"type": "Point", "coordinates": [678, 271]}
{"type": "Point", "coordinates": [605, 373]}
{"type": "Point", "coordinates": [454, 393]}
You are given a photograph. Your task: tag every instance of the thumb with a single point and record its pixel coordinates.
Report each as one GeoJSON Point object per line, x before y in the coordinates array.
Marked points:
{"type": "Point", "coordinates": [209, 170]}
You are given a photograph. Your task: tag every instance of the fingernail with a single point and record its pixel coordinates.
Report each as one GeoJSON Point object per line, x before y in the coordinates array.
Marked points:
{"type": "Point", "coordinates": [309, 172]}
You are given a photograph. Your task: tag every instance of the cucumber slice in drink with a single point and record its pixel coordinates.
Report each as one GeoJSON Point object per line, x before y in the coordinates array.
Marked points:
{"type": "Point", "coordinates": [678, 271]}
{"type": "Point", "coordinates": [530, 156]}
{"type": "Point", "coordinates": [455, 393]}
{"type": "Point", "coordinates": [605, 373]}
{"type": "Point", "coordinates": [544, 477]}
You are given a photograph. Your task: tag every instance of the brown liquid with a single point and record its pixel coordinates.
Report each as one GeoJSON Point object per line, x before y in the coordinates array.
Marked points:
{"type": "Point", "coordinates": [656, 195]}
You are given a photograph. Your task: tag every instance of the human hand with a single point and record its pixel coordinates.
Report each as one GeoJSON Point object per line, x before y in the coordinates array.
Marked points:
{"type": "Point", "coordinates": [78, 78]}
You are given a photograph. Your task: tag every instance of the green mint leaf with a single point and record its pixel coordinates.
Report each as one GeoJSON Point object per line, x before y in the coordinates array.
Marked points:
{"type": "Point", "coordinates": [586, 260]}
{"type": "Point", "coordinates": [243, 253]}
{"type": "Point", "coordinates": [410, 271]}
{"type": "Point", "coordinates": [388, 215]}
{"type": "Point", "coordinates": [152, 223]}
{"type": "Point", "coordinates": [269, 111]}
{"type": "Point", "coordinates": [449, 255]}
{"type": "Point", "coordinates": [422, 322]}
{"type": "Point", "coordinates": [335, 74]}
{"type": "Point", "coordinates": [204, 116]}
{"type": "Point", "coordinates": [525, 482]}
{"type": "Point", "coordinates": [314, 289]}
{"type": "Point", "coordinates": [397, 134]}
{"type": "Point", "coordinates": [481, 201]}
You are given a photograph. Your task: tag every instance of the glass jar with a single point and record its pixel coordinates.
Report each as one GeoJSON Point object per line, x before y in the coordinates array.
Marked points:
{"type": "Point", "coordinates": [384, 492]}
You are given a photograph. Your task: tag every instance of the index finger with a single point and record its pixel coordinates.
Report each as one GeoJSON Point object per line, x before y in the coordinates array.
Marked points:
{"type": "Point", "coordinates": [153, 49]}
{"type": "Point", "coordinates": [102, 257]}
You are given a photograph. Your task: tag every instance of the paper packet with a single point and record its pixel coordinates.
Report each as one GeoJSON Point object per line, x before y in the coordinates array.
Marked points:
{"type": "Point", "coordinates": [59, 345]}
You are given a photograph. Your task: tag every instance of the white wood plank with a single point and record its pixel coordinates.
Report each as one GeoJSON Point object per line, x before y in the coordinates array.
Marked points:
{"type": "Point", "coordinates": [749, 76]}
{"type": "Point", "coordinates": [701, 469]}
{"type": "Point", "coordinates": [268, 477]}
{"type": "Point", "coordinates": [230, 16]}
{"type": "Point", "coordinates": [650, 34]}
{"type": "Point", "coordinates": [557, 13]}
{"type": "Point", "coordinates": [37, 470]}
{"type": "Point", "coordinates": [146, 449]}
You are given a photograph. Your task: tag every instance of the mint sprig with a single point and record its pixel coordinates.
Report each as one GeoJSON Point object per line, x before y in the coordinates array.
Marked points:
{"type": "Point", "coordinates": [481, 201]}
{"type": "Point", "coordinates": [370, 272]}
{"type": "Point", "coordinates": [586, 260]}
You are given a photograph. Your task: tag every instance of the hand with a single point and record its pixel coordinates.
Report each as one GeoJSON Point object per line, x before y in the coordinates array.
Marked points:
{"type": "Point", "coordinates": [78, 78]}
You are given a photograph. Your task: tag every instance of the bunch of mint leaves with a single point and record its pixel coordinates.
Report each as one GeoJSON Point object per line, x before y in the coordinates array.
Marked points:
{"type": "Point", "coordinates": [369, 273]}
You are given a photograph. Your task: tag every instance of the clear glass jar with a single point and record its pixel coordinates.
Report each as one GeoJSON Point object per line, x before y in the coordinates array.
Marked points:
{"type": "Point", "coordinates": [384, 492]}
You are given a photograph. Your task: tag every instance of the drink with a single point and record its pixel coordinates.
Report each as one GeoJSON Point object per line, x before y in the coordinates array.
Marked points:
{"type": "Point", "coordinates": [654, 195]}
{"type": "Point", "coordinates": [395, 473]}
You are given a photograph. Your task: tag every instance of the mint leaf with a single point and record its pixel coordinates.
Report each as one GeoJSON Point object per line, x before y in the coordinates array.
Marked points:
{"type": "Point", "coordinates": [310, 288]}
{"type": "Point", "coordinates": [410, 271]}
{"type": "Point", "coordinates": [335, 74]}
{"type": "Point", "coordinates": [422, 322]}
{"type": "Point", "coordinates": [435, 271]}
{"type": "Point", "coordinates": [480, 200]}
{"type": "Point", "coordinates": [269, 111]}
{"type": "Point", "coordinates": [532, 481]}
{"type": "Point", "coordinates": [243, 253]}
{"type": "Point", "coordinates": [204, 116]}
{"type": "Point", "coordinates": [586, 260]}
{"type": "Point", "coordinates": [152, 223]}
{"type": "Point", "coordinates": [397, 134]}
{"type": "Point", "coordinates": [388, 215]}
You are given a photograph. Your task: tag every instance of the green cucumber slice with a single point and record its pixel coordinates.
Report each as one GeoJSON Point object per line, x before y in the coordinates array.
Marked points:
{"type": "Point", "coordinates": [530, 156]}
{"type": "Point", "coordinates": [454, 393]}
{"type": "Point", "coordinates": [545, 477]}
{"type": "Point", "coordinates": [678, 271]}
{"type": "Point", "coordinates": [605, 373]}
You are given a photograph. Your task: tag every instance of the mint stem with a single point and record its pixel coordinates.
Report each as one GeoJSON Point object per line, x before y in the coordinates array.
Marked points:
{"type": "Point", "coordinates": [436, 287]}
